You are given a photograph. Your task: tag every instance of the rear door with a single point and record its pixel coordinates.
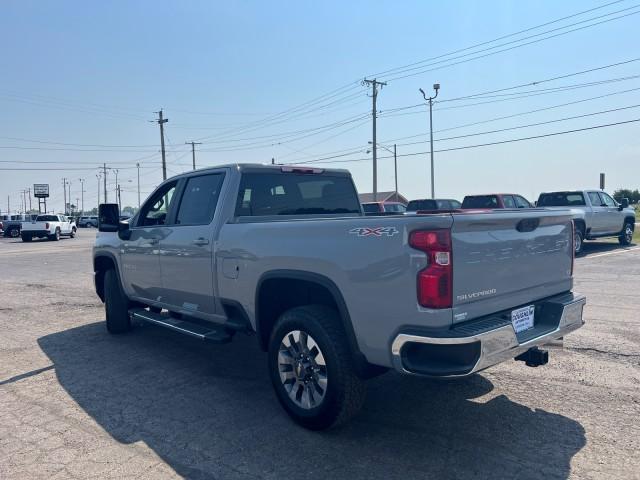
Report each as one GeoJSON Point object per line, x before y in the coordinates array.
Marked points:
{"type": "Point", "coordinates": [504, 259]}
{"type": "Point", "coordinates": [599, 214]}
{"type": "Point", "coordinates": [186, 251]}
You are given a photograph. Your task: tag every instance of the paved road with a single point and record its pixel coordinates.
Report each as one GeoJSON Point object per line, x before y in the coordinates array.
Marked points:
{"type": "Point", "coordinates": [78, 403]}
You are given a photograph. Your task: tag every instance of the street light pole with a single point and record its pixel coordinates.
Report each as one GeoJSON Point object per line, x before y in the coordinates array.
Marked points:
{"type": "Point", "coordinates": [436, 87]}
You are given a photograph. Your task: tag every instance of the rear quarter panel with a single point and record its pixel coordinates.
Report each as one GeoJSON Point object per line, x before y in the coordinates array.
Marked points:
{"type": "Point", "coordinates": [367, 258]}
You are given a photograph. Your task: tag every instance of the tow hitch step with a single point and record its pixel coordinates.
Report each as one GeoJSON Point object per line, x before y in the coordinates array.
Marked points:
{"type": "Point", "coordinates": [534, 357]}
{"type": "Point", "coordinates": [209, 333]}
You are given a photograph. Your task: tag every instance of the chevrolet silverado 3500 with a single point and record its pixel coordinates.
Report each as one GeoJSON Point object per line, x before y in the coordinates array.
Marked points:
{"type": "Point", "coordinates": [334, 296]}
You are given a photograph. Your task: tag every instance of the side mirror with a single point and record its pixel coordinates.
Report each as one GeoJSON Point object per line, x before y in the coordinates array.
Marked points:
{"type": "Point", "coordinates": [624, 203]}
{"type": "Point", "coordinates": [108, 217]}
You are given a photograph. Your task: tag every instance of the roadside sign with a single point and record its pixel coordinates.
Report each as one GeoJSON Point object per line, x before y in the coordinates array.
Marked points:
{"type": "Point", "coordinates": [40, 190]}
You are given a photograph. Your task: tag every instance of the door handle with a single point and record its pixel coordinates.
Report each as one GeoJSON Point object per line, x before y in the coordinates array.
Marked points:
{"type": "Point", "coordinates": [201, 241]}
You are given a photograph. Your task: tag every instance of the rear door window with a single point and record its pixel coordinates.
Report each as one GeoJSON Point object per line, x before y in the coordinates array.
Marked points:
{"type": "Point", "coordinates": [480, 201]}
{"type": "Point", "coordinates": [199, 199]}
{"type": "Point", "coordinates": [508, 201]}
{"type": "Point", "coordinates": [595, 199]}
{"type": "Point", "coordinates": [263, 194]}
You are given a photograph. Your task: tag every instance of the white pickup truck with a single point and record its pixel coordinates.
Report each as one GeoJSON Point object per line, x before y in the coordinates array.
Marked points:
{"type": "Point", "coordinates": [48, 226]}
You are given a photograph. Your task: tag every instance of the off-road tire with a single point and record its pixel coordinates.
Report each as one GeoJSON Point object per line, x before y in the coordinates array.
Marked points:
{"type": "Point", "coordinates": [116, 304]}
{"type": "Point", "coordinates": [345, 391]}
{"type": "Point", "coordinates": [626, 236]}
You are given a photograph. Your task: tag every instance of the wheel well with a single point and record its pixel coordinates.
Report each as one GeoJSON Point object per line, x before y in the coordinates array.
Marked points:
{"type": "Point", "coordinates": [580, 225]}
{"type": "Point", "coordinates": [277, 295]}
{"type": "Point", "coordinates": [630, 220]}
{"type": "Point", "coordinates": [100, 267]}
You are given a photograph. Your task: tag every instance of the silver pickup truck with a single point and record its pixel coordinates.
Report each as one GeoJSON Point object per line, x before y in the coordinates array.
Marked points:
{"type": "Point", "coordinates": [595, 215]}
{"type": "Point", "coordinates": [335, 297]}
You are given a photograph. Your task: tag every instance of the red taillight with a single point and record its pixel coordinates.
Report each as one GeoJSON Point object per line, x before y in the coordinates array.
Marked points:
{"type": "Point", "coordinates": [46, 226]}
{"type": "Point", "coordinates": [435, 282]}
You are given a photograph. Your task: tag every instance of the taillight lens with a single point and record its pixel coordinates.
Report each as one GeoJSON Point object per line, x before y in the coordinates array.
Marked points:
{"type": "Point", "coordinates": [435, 282]}
{"type": "Point", "coordinates": [46, 226]}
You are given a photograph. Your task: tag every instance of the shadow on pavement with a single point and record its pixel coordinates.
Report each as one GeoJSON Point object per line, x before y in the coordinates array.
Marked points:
{"type": "Point", "coordinates": [209, 412]}
{"type": "Point", "coordinates": [594, 247]}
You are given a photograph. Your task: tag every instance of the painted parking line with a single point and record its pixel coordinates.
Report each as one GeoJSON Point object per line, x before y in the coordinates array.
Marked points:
{"type": "Point", "coordinates": [626, 250]}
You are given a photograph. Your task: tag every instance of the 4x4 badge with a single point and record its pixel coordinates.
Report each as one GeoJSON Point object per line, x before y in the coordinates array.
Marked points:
{"type": "Point", "coordinates": [374, 231]}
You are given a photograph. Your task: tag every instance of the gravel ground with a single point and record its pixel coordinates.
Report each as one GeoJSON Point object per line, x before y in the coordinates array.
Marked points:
{"type": "Point", "coordinates": [76, 402]}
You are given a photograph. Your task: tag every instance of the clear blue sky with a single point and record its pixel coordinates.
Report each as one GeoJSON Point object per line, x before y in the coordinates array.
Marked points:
{"type": "Point", "coordinates": [93, 73]}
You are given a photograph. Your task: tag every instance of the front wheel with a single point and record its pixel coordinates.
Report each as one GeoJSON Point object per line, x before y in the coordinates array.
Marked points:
{"type": "Point", "coordinates": [578, 239]}
{"type": "Point", "coordinates": [14, 232]}
{"type": "Point", "coordinates": [311, 368]}
{"type": "Point", "coordinates": [626, 237]}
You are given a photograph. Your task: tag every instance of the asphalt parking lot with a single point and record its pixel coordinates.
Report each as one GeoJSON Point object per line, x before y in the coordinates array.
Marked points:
{"type": "Point", "coordinates": [76, 402]}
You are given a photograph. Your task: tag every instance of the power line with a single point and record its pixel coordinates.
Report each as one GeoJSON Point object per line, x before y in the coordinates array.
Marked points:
{"type": "Point", "coordinates": [515, 46]}
{"type": "Point", "coordinates": [464, 147]}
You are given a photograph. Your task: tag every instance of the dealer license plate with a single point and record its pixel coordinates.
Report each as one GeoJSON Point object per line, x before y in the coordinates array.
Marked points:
{"type": "Point", "coordinates": [522, 318]}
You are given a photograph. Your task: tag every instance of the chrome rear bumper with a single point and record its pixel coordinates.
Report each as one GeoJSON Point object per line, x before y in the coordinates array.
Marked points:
{"type": "Point", "coordinates": [485, 348]}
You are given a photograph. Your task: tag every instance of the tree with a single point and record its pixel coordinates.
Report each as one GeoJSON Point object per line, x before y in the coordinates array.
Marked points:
{"type": "Point", "coordinates": [632, 195]}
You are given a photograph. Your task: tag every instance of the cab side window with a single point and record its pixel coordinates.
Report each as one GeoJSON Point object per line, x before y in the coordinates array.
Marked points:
{"type": "Point", "coordinates": [155, 210]}
{"type": "Point", "coordinates": [521, 202]}
{"type": "Point", "coordinates": [609, 202]}
{"type": "Point", "coordinates": [595, 199]}
{"type": "Point", "coordinates": [508, 201]}
{"type": "Point", "coordinates": [199, 200]}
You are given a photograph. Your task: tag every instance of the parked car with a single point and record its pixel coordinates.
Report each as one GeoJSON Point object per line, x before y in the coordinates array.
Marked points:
{"type": "Point", "coordinates": [333, 296]}
{"type": "Point", "coordinates": [384, 208]}
{"type": "Point", "coordinates": [595, 214]}
{"type": "Point", "coordinates": [495, 200]}
{"type": "Point", "coordinates": [13, 227]}
{"type": "Point", "coordinates": [48, 226]}
{"type": "Point", "coordinates": [90, 221]}
{"type": "Point", "coordinates": [429, 204]}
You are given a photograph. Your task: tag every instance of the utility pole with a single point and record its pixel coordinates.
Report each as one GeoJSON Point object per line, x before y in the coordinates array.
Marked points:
{"type": "Point", "coordinates": [161, 121]}
{"type": "Point", "coordinates": [374, 97]}
{"type": "Point", "coordinates": [436, 87]}
{"type": "Point", "coordinates": [138, 167]}
{"type": "Point", "coordinates": [29, 193]}
{"type": "Point", "coordinates": [64, 190]}
{"type": "Point", "coordinates": [115, 170]}
{"type": "Point", "coordinates": [99, 177]}
{"type": "Point", "coordinates": [82, 195]}
{"type": "Point", "coordinates": [104, 179]}
{"type": "Point", "coordinates": [70, 200]}
{"type": "Point", "coordinates": [193, 151]}
{"type": "Point", "coordinates": [118, 193]}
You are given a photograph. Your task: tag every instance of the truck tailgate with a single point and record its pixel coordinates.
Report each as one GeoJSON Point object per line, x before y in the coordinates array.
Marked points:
{"type": "Point", "coordinates": [506, 259]}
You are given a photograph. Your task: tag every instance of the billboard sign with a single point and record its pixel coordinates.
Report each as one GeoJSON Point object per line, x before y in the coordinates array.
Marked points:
{"type": "Point", "coordinates": [41, 190]}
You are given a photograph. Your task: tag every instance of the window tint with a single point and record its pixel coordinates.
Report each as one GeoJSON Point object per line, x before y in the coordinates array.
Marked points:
{"type": "Point", "coordinates": [607, 199]}
{"type": "Point", "coordinates": [415, 205]}
{"type": "Point", "coordinates": [199, 199]}
{"type": "Point", "coordinates": [455, 204]}
{"type": "Point", "coordinates": [155, 210]}
{"type": "Point", "coordinates": [508, 201]}
{"type": "Point", "coordinates": [370, 207]}
{"type": "Point", "coordinates": [595, 199]}
{"type": "Point", "coordinates": [561, 199]}
{"type": "Point", "coordinates": [480, 201]}
{"type": "Point", "coordinates": [521, 202]}
{"type": "Point", "coordinates": [443, 204]}
{"type": "Point", "coordinates": [47, 218]}
{"type": "Point", "coordinates": [295, 194]}
{"type": "Point", "coordinates": [394, 208]}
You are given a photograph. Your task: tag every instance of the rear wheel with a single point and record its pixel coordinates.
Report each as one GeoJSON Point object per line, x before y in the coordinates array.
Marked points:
{"type": "Point", "coordinates": [116, 304]}
{"type": "Point", "coordinates": [56, 236]}
{"type": "Point", "coordinates": [26, 237]}
{"type": "Point", "coordinates": [311, 368]}
{"type": "Point", "coordinates": [14, 232]}
{"type": "Point", "coordinates": [73, 232]}
{"type": "Point", "coordinates": [626, 237]}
